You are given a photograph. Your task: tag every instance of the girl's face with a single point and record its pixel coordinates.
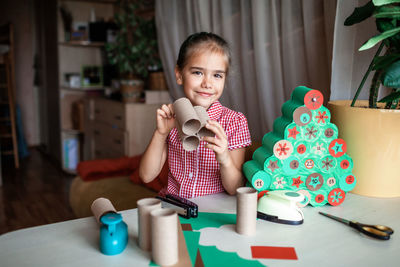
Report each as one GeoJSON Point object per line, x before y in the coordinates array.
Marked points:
{"type": "Point", "coordinates": [203, 78]}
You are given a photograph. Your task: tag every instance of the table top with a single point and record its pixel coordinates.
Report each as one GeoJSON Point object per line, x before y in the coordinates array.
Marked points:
{"type": "Point", "coordinates": [318, 241]}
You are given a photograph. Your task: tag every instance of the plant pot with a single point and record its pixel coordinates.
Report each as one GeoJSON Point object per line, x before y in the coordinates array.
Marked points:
{"type": "Point", "coordinates": [372, 137]}
{"type": "Point", "coordinates": [131, 90]}
{"type": "Point", "coordinates": [157, 81]}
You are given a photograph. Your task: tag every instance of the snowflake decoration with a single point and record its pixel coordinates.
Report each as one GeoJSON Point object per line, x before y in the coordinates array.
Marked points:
{"type": "Point", "coordinates": [319, 148]}
{"type": "Point", "coordinates": [321, 117]}
{"type": "Point", "coordinates": [279, 183]}
{"type": "Point", "coordinates": [282, 149]}
{"type": "Point", "coordinates": [311, 132]}
{"type": "Point", "coordinates": [327, 164]}
{"type": "Point", "coordinates": [336, 197]}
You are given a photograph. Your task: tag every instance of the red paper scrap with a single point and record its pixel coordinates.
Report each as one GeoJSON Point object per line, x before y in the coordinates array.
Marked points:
{"type": "Point", "coordinates": [263, 252]}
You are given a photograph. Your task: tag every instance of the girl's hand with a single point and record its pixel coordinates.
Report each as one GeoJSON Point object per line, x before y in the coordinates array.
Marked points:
{"type": "Point", "coordinates": [219, 143]}
{"type": "Point", "coordinates": [165, 119]}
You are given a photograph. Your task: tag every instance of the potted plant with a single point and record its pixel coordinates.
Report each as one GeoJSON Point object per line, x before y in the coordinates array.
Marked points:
{"type": "Point", "coordinates": [135, 48]}
{"type": "Point", "coordinates": [372, 127]}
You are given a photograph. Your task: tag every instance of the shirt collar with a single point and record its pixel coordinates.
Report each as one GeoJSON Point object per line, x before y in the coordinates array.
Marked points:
{"type": "Point", "coordinates": [215, 110]}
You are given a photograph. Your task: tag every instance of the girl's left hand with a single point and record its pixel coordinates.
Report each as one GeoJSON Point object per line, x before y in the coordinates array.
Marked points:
{"type": "Point", "coordinates": [219, 143]}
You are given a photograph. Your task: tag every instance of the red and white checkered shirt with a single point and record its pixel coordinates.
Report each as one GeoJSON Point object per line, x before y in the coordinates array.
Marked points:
{"type": "Point", "coordinates": [197, 173]}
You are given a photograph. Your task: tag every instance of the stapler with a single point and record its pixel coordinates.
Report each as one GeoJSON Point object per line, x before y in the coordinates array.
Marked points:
{"type": "Point", "coordinates": [185, 208]}
{"type": "Point", "coordinates": [280, 207]}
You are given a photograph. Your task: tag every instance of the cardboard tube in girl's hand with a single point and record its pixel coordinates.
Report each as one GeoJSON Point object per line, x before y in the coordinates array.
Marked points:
{"type": "Point", "coordinates": [186, 116]}
{"type": "Point", "coordinates": [203, 116]}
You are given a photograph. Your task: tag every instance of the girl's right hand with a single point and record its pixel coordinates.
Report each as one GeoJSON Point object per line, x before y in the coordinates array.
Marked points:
{"type": "Point", "coordinates": [165, 119]}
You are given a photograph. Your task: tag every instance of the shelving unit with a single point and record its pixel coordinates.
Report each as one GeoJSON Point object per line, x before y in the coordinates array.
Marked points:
{"type": "Point", "coordinates": [72, 55]}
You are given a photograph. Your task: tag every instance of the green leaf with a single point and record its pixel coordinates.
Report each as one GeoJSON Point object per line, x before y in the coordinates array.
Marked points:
{"type": "Point", "coordinates": [384, 2]}
{"type": "Point", "coordinates": [391, 77]}
{"type": "Point", "coordinates": [389, 98]}
{"type": "Point", "coordinates": [394, 14]}
{"type": "Point", "coordinates": [360, 13]}
{"type": "Point", "coordinates": [385, 61]}
{"type": "Point", "coordinates": [377, 38]}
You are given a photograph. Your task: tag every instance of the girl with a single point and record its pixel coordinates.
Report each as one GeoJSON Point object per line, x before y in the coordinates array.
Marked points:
{"type": "Point", "coordinates": [201, 69]}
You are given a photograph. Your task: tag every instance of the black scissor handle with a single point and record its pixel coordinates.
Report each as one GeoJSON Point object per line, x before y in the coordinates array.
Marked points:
{"type": "Point", "coordinates": [372, 230]}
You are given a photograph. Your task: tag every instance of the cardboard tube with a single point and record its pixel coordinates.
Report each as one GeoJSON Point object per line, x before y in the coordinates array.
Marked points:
{"type": "Point", "coordinates": [101, 206]}
{"type": "Point", "coordinates": [246, 210]}
{"type": "Point", "coordinates": [145, 206]}
{"type": "Point", "coordinates": [186, 116]}
{"type": "Point", "coordinates": [164, 235]}
{"type": "Point", "coordinates": [203, 116]}
{"type": "Point", "coordinates": [189, 142]}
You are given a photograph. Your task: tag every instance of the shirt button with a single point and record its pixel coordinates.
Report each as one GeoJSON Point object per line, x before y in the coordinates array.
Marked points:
{"type": "Point", "coordinates": [190, 175]}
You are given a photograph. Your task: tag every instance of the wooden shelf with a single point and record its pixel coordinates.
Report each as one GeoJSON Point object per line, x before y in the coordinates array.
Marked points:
{"type": "Point", "coordinates": [83, 43]}
{"type": "Point", "coordinates": [93, 1]}
{"type": "Point", "coordinates": [82, 89]}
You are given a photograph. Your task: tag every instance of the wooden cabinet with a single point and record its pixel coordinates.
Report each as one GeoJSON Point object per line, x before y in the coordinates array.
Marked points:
{"type": "Point", "coordinates": [115, 129]}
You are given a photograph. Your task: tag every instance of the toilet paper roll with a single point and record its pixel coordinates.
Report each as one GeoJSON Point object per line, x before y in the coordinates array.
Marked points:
{"type": "Point", "coordinates": [299, 93]}
{"type": "Point", "coordinates": [269, 140]}
{"type": "Point", "coordinates": [203, 116]}
{"type": "Point", "coordinates": [280, 124]}
{"type": "Point", "coordinates": [258, 178]}
{"type": "Point", "coordinates": [186, 116]}
{"type": "Point", "coordinates": [330, 131]}
{"type": "Point", "coordinates": [164, 236]}
{"type": "Point", "coordinates": [261, 156]}
{"type": "Point", "coordinates": [321, 116]}
{"type": "Point", "coordinates": [145, 206]}
{"type": "Point", "coordinates": [189, 142]}
{"type": "Point", "coordinates": [101, 206]}
{"type": "Point", "coordinates": [246, 210]}
{"type": "Point", "coordinates": [289, 107]}
{"type": "Point", "coordinates": [307, 198]}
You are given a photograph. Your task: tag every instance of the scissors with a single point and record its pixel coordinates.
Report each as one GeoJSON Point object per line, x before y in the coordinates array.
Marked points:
{"type": "Point", "coordinates": [376, 231]}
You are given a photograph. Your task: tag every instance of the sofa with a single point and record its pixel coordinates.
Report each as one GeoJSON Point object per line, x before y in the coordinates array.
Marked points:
{"type": "Point", "coordinates": [122, 190]}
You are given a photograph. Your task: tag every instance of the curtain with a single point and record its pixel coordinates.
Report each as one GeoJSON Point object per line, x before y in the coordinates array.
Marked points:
{"type": "Point", "coordinates": [276, 46]}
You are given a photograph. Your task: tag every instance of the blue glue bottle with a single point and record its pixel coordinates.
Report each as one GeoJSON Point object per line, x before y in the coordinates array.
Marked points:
{"type": "Point", "coordinates": [113, 234]}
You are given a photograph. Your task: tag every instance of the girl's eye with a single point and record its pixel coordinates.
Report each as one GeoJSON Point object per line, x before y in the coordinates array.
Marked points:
{"type": "Point", "coordinates": [197, 72]}
{"type": "Point", "coordinates": [219, 76]}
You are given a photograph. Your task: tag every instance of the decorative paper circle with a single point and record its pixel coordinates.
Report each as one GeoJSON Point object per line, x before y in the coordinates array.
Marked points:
{"type": "Point", "coordinates": [327, 163]}
{"type": "Point", "coordinates": [314, 181]}
{"type": "Point", "coordinates": [347, 182]}
{"type": "Point", "coordinates": [336, 197]}
{"type": "Point", "coordinates": [301, 149]}
{"type": "Point", "coordinates": [321, 116]}
{"type": "Point", "coordinates": [292, 132]}
{"type": "Point", "coordinates": [307, 198]}
{"type": "Point", "coordinates": [283, 149]}
{"type": "Point", "coordinates": [309, 163]}
{"type": "Point", "coordinates": [258, 184]}
{"type": "Point", "coordinates": [337, 148]}
{"type": "Point", "coordinates": [330, 131]}
{"type": "Point", "coordinates": [345, 163]}
{"type": "Point", "coordinates": [331, 181]}
{"type": "Point", "coordinates": [319, 198]}
{"type": "Point", "coordinates": [272, 165]}
{"type": "Point", "coordinates": [291, 165]}
{"type": "Point", "coordinates": [314, 99]}
{"type": "Point", "coordinates": [311, 132]}
{"type": "Point", "coordinates": [319, 147]}
{"type": "Point", "coordinates": [302, 116]}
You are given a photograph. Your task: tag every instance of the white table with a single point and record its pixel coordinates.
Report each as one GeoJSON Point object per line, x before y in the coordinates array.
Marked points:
{"type": "Point", "coordinates": [319, 241]}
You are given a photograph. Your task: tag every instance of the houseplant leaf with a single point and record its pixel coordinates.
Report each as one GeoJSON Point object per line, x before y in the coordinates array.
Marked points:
{"type": "Point", "coordinates": [377, 38]}
{"type": "Point", "coordinates": [393, 13]}
{"type": "Point", "coordinates": [360, 13]}
{"type": "Point", "coordinates": [384, 2]}
{"type": "Point", "coordinates": [391, 77]}
{"type": "Point", "coordinates": [385, 61]}
{"type": "Point", "coordinates": [389, 98]}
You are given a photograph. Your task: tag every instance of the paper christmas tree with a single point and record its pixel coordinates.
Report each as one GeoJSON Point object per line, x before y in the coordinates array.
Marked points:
{"type": "Point", "coordinates": [303, 153]}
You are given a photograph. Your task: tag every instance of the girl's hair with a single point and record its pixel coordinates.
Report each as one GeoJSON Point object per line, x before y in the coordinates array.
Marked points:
{"type": "Point", "coordinates": [203, 40]}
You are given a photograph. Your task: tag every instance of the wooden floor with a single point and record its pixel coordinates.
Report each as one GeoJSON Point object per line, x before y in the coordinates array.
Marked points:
{"type": "Point", "coordinates": [35, 194]}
